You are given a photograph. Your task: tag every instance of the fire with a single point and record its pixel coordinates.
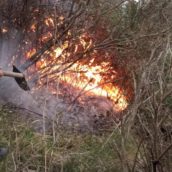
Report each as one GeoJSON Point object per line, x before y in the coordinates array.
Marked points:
{"type": "Point", "coordinates": [91, 82]}
{"type": "Point", "coordinates": [88, 78]}
{"type": "Point", "coordinates": [33, 27]}
{"type": "Point", "coordinates": [46, 37]}
{"type": "Point", "coordinates": [4, 30]}
{"type": "Point", "coordinates": [49, 22]}
{"type": "Point", "coordinates": [58, 52]}
{"type": "Point", "coordinates": [92, 76]}
{"type": "Point", "coordinates": [30, 53]}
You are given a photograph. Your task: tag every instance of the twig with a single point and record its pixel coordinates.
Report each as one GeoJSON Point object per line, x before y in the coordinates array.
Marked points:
{"type": "Point", "coordinates": [163, 153]}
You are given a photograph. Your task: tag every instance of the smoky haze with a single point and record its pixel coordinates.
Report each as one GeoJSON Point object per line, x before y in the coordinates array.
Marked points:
{"type": "Point", "coordinates": [10, 92]}
{"type": "Point", "coordinates": [42, 101]}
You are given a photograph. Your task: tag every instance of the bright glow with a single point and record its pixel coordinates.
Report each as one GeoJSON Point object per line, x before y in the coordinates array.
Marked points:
{"type": "Point", "coordinates": [4, 30]}
{"type": "Point", "coordinates": [86, 77]}
{"type": "Point", "coordinates": [91, 77]}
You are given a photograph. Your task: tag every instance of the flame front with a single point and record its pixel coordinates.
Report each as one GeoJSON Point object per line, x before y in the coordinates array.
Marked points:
{"type": "Point", "coordinates": [88, 78]}
{"type": "Point", "coordinates": [92, 78]}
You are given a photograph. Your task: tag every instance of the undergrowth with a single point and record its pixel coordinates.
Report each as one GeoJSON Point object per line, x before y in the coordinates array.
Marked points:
{"type": "Point", "coordinates": [68, 152]}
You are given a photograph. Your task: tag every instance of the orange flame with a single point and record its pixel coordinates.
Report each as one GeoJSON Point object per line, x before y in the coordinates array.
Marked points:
{"type": "Point", "coordinates": [86, 77]}
{"type": "Point", "coordinates": [89, 77]}
{"type": "Point", "coordinates": [4, 30]}
{"type": "Point", "coordinates": [30, 53]}
{"type": "Point", "coordinates": [91, 82]}
{"type": "Point", "coordinates": [49, 22]}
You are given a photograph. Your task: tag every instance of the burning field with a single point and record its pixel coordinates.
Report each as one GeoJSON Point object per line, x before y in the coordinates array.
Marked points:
{"type": "Point", "coordinates": [68, 61]}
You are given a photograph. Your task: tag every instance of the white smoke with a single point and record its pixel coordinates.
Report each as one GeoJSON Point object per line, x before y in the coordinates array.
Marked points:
{"type": "Point", "coordinates": [42, 101]}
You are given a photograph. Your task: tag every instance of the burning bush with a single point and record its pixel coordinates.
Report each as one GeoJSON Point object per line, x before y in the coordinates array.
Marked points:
{"type": "Point", "coordinates": [63, 46]}
{"type": "Point", "coordinates": [89, 49]}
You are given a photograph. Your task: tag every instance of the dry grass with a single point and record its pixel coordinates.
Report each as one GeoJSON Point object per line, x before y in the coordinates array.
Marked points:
{"type": "Point", "coordinates": [67, 151]}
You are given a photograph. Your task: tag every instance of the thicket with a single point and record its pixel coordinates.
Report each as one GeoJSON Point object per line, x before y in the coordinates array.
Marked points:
{"type": "Point", "coordinates": [140, 33]}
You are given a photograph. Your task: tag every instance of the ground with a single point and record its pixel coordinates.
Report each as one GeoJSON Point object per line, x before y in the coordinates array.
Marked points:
{"type": "Point", "coordinates": [56, 150]}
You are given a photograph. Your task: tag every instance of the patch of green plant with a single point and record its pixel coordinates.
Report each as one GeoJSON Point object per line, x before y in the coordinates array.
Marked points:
{"type": "Point", "coordinates": [68, 151]}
